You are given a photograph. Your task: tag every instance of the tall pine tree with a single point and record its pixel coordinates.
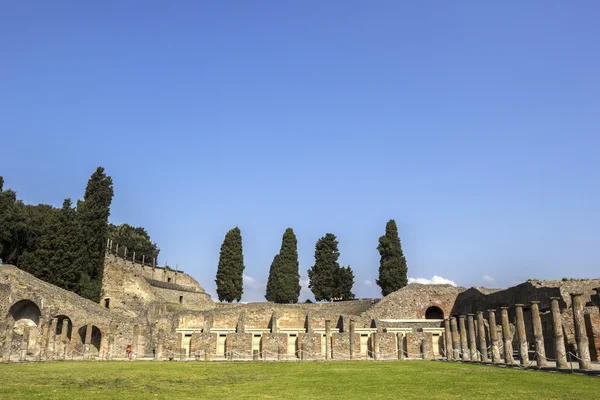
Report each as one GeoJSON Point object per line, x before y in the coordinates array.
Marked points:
{"type": "Point", "coordinates": [283, 285]}
{"type": "Point", "coordinates": [230, 272]}
{"type": "Point", "coordinates": [92, 218]}
{"type": "Point", "coordinates": [392, 266]}
{"type": "Point", "coordinates": [327, 280]}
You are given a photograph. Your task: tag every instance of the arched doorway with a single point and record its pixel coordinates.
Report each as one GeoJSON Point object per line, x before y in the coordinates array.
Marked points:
{"type": "Point", "coordinates": [25, 313]}
{"type": "Point", "coordinates": [434, 312]}
{"type": "Point", "coordinates": [60, 319]}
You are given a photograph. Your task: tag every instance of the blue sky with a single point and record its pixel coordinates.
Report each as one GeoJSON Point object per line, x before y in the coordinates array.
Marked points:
{"type": "Point", "coordinates": [475, 125]}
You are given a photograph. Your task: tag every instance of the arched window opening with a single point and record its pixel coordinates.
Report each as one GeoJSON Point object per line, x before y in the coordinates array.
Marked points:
{"type": "Point", "coordinates": [434, 312]}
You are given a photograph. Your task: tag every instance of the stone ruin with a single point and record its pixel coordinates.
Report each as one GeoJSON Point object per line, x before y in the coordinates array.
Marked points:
{"type": "Point", "coordinates": [164, 314]}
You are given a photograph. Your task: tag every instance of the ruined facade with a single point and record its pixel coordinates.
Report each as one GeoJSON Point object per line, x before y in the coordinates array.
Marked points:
{"type": "Point", "coordinates": [161, 313]}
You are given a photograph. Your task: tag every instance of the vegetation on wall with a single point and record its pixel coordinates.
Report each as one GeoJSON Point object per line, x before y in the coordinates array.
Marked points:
{"type": "Point", "coordinates": [63, 246]}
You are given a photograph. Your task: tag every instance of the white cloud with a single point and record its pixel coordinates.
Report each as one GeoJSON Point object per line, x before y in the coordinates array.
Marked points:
{"type": "Point", "coordinates": [436, 280]}
{"type": "Point", "coordinates": [488, 279]}
{"type": "Point", "coordinates": [368, 283]}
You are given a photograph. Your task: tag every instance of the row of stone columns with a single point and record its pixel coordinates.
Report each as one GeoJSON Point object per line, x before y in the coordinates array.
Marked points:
{"type": "Point", "coordinates": [461, 343]}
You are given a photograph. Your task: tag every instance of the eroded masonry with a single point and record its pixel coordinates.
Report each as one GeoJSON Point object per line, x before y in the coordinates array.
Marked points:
{"type": "Point", "coordinates": [164, 314]}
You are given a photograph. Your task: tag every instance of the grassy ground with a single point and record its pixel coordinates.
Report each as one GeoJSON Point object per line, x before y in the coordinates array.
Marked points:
{"type": "Point", "coordinates": [327, 380]}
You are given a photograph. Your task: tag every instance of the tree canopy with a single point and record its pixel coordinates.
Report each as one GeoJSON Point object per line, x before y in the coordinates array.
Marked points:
{"type": "Point", "coordinates": [327, 279]}
{"type": "Point", "coordinates": [392, 265]}
{"type": "Point", "coordinates": [134, 239]}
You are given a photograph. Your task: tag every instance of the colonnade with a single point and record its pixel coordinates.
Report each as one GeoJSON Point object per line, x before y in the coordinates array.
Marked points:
{"type": "Point", "coordinates": [467, 342]}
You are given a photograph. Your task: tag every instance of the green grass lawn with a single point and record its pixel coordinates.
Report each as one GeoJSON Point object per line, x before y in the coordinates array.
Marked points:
{"type": "Point", "coordinates": [307, 380]}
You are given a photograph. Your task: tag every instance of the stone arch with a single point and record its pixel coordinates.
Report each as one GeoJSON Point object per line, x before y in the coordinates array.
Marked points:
{"type": "Point", "coordinates": [434, 312]}
{"type": "Point", "coordinates": [25, 313]}
{"type": "Point", "coordinates": [59, 325]}
{"type": "Point", "coordinates": [96, 338]}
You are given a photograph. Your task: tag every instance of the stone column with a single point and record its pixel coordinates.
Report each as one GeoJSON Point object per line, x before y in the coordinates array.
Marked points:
{"type": "Point", "coordinates": [52, 340]}
{"type": "Point", "coordinates": [352, 344]}
{"type": "Point", "coordinates": [538, 335]}
{"type": "Point", "coordinates": [521, 335]}
{"type": "Point", "coordinates": [63, 337]}
{"type": "Point", "coordinates": [557, 330]}
{"type": "Point", "coordinates": [455, 339]}
{"type": "Point", "coordinates": [159, 344]}
{"type": "Point", "coordinates": [447, 340]}
{"type": "Point", "coordinates": [400, 345]}
{"type": "Point", "coordinates": [10, 327]}
{"type": "Point", "coordinates": [24, 343]}
{"type": "Point", "coordinates": [481, 333]}
{"type": "Point", "coordinates": [493, 336]}
{"type": "Point", "coordinates": [583, 349]}
{"type": "Point", "coordinates": [506, 337]}
{"type": "Point", "coordinates": [464, 353]}
{"type": "Point", "coordinates": [327, 340]}
{"type": "Point", "coordinates": [472, 340]}
{"type": "Point", "coordinates": [88, 340]}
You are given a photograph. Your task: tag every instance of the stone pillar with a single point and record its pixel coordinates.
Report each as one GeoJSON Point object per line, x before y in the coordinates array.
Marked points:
{"type": "Point", "coordinates": [455, 340]}
{"type": "Point", "coordinates": [88, 340]}
{"type": "Point", "coordinates": [493, 336]}
{"type": "Point", "coordinates": [352, 339]}
{"type": "Point", "coordinates": [134, 342]}
{"type": "Point", "coordinates": [481, 335]}
{"type": "Point", "coordinates": [44, 342]}
{"type": "Point", "coordinates": [447, 340]}
{"type": "Point", "coordinates": [375, 338]}
{"type": "Point", "coordinates": [521, 335]}
{"type": "Point", "coordinates": [111, 340]}
{"type": "Point", "coordinates": [63, 337]}
{"type": "Point", "coordinates": [426, 349]}
{"type": "Point", "coordinates": [74, 339]}
{"type": "Point", "coordinates": [327, 340]}
{"type": "Point", "coordinates": [159, 344]}
{"type": "Point", "coordinates": [400, 345]}
{"type": "Point", "coordinates": [52, 340]}
{"type": "Point", "coordinates": [538, 335]}
{"type": "Point", "coordinates": [24, 343]}
{"type": "Point", "coordinates": [38, 343]}
{"type": "Point", "coordinates": [472, 340]}
{"type": "Point", "coordinates": [557, 330]}
{"type": "Point", "coordinates": [583, 349]}
{"type": "Point", "coordinates": [464, 348]}
{"type": "Point", "coordinates": [10, 327]}
{"type": "Point", "coordinates": [506, 337]}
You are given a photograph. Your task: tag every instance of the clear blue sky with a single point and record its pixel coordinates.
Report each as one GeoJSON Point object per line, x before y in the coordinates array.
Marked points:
{"type": "Point", "coordinates": [476, 126]}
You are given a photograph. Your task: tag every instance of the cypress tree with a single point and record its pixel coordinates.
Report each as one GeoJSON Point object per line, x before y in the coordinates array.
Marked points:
{"type": "Point", "coordinates": [283, 285]}
{"type": "Point", "coordinates": [392, 266]}
{"type": "Point", "coordinates": [230, 272]}
{"type": "Point", "coordinates": [327, 279]}
{"type": "Point", "coordinates": [272, 283]}
{"type": "Point", "coordinates": [92, 218]}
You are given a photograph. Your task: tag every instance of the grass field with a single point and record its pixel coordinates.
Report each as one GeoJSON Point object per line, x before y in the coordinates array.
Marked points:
{"type": "Point", "coordinates": [327, 380]}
